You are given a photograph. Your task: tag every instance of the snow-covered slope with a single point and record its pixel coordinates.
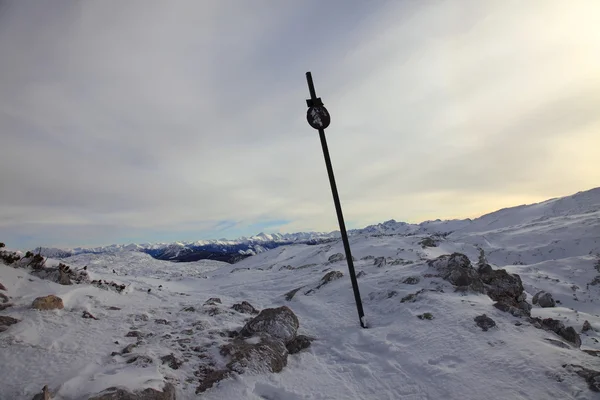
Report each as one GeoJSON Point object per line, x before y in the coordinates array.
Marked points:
{"type": "Point", "coordinates": [553, 246]}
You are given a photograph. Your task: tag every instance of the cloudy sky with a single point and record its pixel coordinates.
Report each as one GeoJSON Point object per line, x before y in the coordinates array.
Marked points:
{"type": "Point", "coordinates": [148, 121]}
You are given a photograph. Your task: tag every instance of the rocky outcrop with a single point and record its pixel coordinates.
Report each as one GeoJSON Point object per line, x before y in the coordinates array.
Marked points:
{"type": "Point", "coordinates": [280, 323]}
{"type": "Point", "coordinates": [586, 326]}
{"type": "Point", "coordinates": [457, 269]}
{"type": "Point", "coordinates": [265, 354]}
{"type": "Point", "coordinates": [336, 257]}
{"type": "Point", "coordinates": [50, 302]}
{"type": "Point", "coordinates": [380, 262]}
{"type": "Point", "coordinates": [506, 289]}
{"type": "Point", "coordinates": [245, 308]}
{"type": "Point", "coordinates": [591, 377]}
{"type": "Point", "coordinates": [543, 299]}
{"type": "Point", "coordinates": [329, 277]}
{"type": "Point", "coordinates": [556, 326]}
{"type": "Point", "coordinates": [484, 322]}
{"type": "Point", "coordinates": [213, 301]}
{"type": "Point", "coordinates": [113, 393]}
{"type": "Point", "coordinates": [5, 322]}
{"type": "Point", "coordinates": [44, 395]}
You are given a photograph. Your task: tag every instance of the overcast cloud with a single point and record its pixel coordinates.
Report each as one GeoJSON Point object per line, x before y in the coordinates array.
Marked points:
{"type": "Point", "coordinates": [155, 121]}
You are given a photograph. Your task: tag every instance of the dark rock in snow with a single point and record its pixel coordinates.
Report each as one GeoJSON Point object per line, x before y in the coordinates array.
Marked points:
{"type": "Point", "coordinates": [280, 323]}
{"type": "Point", "coordinates": [330, 276]}
{"type": "Point", "coordinates": [591, 377]}
{"type": "Point", "coordinates": [290, 295]}
{"type": "Point", "coordinates": [267, 354]}
{"type": "Point", "coordinates": [2, 287]}
{"type": "Point", "coordinates": [210, 378]}
{"type": "Point", "coordinates": [336, 257]}
{"type": "Point", "coordinates": [380, 262]}
{"type": "Point", "coordinates": [360, 274]}
{"type": "Point", "coordinates": [412, 297]}
{"type": "Point", "coordinates": [411, 280]}
{"type": "Point", "coordinates": [114, 393]}
{"type": "Point", "coordinates": [298, 344]}
{"type": "Point", "coordinates": [213, 301]}
{"type": "Point", "coordinates": [570, 335]}
{"type": "Point", "coordinates": [586, 326]}
{"type": "Point", "coordinates": [5, 322]}
{"type": "Point", "coordinates": [135, 334]}
{"type": "Point", "coordinates": [484, 322]}
{"type": "Point", "coordinates": [457, 269]}
{"type": "Point", "coordinates": [172, 361]}
{"type": "Point", "coordinates": [543, 299]}
{"type": "Point", "coordinates": [556, 326]}
{"type": "Point", "coordinates": [44, 395]}
{"type": "Point", "coordinates": [245, 308]}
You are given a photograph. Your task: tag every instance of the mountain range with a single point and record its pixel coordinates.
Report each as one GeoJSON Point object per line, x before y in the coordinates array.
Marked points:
{"type": "Point", "coordinates": [231, 251]}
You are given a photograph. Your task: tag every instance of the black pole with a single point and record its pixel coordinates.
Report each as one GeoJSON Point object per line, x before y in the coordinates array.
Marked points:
{"type": "Point", "coordinates": [314, 101]}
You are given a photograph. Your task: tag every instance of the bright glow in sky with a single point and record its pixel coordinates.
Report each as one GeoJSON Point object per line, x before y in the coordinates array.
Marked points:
{"type": "Point", "coordinates": [182, 120]}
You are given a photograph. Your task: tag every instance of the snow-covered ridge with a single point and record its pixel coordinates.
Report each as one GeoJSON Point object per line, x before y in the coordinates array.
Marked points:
{"type": "Point", "coordinates": [581, 203]}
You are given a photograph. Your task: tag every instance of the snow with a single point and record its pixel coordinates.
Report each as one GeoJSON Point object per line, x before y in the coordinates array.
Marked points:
{"type": "Point", "coordinates": [398, 357]}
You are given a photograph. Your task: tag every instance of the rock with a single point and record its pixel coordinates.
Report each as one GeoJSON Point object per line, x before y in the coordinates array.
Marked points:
{"type": "Point", "coordinates": [502, 306]}
{"type": "Point", "coordinates": [484, 322]}
{"type": "Point", "coordinates": [427, 316]}
{"type": "Point", "coordinates": [189, 309]}
{"type": "Point", "coordinates": [595, 353]}
{"type": "Point", "coordinates": [330, 276]}
{"type": "Point", "coordinates": [543, 299]}
{"type": "Point", "coordinates": [140, 359]}
{"type": "Point", "coordinates": [213, 301]}
{"type": "Point", "coordinates": [129, 348]}
{"type": "Point", "coordinates": [280, 323]}
{"type": "Point", "coordinates": [210, 377]}
{"type": "Point", "coordinates": [570, 335]}
{"type": "Point", "coordinates": [245, 308]}
{"type": "Point", "coordinates": [586, 326]}
{"type": "Point", "coordinates": [50, 302]}
{"type": "Point", "coordinates": [269, 354]}
{"type": "Point", "coordinates": [298, 344]}
{"type": "Point", "coordinates": [290, 295]}
{"type": "Point", "coordinates": [161, 322]}
{"type": "Point", "coordinates": [503, 287]}
{"type": "Point", "coordinates": [5, 306]}
{"type": "Point", "coordinates": [135, 334]}
{"type": "Point", "coordinates": [45, 395]}
{"type": "Point", "coordinates": [113, 393]}
{"type": "Point", "coordinates": [336, 257]}
{"type": "Point", "coordinates": [172, 361]}
{"type": "Point", "coordinates": [7, 321]}
{"type": "Point", "coordinates": [558, 343]}
{"type": "Point", "coordinates": [457, 269]}
{"type": "Point", "coordinates": [113, 308]}
{"type": "Point", "coordinates": [412, 297]}
{"type": "Point", "coordinates": [86, 314]}
{"type": "Point", "coordinates": [4, 298]}
{"type": "Point", "coordinates": [411, 280]}
{"type": "Point", "coordinates": [63, 276]}
{"type": "Point", "coordinates": [591, 377]}
{"type": "Point", "coordinates": [360, 274]}
{"type": "Point", "coordinates": [380, 262]}
{"type": "Point", "coordinates": [2, 287]}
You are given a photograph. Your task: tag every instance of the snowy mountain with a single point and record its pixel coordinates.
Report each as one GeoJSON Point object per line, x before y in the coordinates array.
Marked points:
{"type": "Point", "coordinates": [521, 320]}
{"type": "Point", "coordinates": [232, 251]}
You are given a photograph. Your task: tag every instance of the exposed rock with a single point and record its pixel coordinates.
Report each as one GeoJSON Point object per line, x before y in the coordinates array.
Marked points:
{"type": "Point", "coordinates": [556, 326]}
{"type": "Point", "coordinates": [427, 316]}
{"type": "Point", "coordinates": [330, 276]}
{"type": "Point", "coordinates": [298, 344]}
{"type": "Point", "coordinates": [290, 295]}
{"type": "Point", "coordinates": [172, 361]}
{"type": "Point", "coordinates": [360, 274]}
{"type": "Point", "coordinates": [113, 308]}
{"type": "Point", "coordinates": [411, 280]}
{"type": "Point", "coordinates": [595, 353]}
{"type": "Point", "coordinates": [4, 298]}
{"type": "Point", "coordinates": [140, 359]}
{"type": "Point", "coordinates": [591, 377]}
{"type": "Point", "coordinates": [428, 242]}
{"type": "Point", "coordinates": [135, 334]}
{"type": "Point", "coordinates": [2, 287]}
{"type": "Point", "coordinates": [457, 269]}
{"type": "Point", "coordinates": [281, 323]}
{"type": "Point", "coordinates": [45, 395]}
{"type": "Point", "coordinates": [213, 301]}
{"type": "Point", "coordinates": [543, 299]}
{"type": "Point", "coordinates": [113, 393]}
{"type": "Point", "coordinates": [504, 287]}
{"type": "Point", "coordinates": [161, 322]}
{"type": "Point", "coordinates": [502, 306]}
{"type": "Point", "coordinates": [87, 314]}
{"type": "Point", "coordinates": [558, 343]}
{"type": "Point", "coordinates": [129, 348]}
{"type": "Point", "coordinates": [189, 309]}
{"type": "Point", "coordinates": [210, 378]}
{"type": "Point", "coordinates": [5, 306]}
{"type": "Point", "coordinates": [336, 257]}
{"type": "Point", "coordinates": [380, 262]}
{"type": "Point", "coordinates": [7, 321]}
{"type": "Point", "coordinates": [570, 335]}
{"type": "Point", "coordinates": [50, 302]}
{"type": "Point", "coordinates": [268, 354]}
{"type": "Point", "coordinates": [586, 326]}
{"type": "Point", "coordinates": [412, 297]}
{"type": "Point", "coordinates": [245, 308]}
{"type": "Point", "coordinates": [484, 322]}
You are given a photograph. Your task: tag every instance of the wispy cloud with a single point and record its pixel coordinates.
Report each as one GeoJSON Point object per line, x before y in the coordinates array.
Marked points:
{"type": "Point", "coordinates": [150, 120]}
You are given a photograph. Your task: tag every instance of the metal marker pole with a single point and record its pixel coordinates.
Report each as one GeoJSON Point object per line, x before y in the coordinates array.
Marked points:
{"type": "Point", "coordinates": [320, 120]}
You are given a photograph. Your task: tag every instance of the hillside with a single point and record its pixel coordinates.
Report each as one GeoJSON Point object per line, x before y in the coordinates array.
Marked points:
{"type": "Point", "coordinates": [426, 339]}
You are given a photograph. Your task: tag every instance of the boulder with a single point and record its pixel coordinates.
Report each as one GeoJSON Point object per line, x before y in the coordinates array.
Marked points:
{"type": "Point", "coordinates": [586, 326]}
{"type": "Point", "coordinates": [503, 287]}
{"type": "Point", "coordinates": [50, 302]}
{"type": "Point", "coordinates": [484, 322]}
{"type": "Point", "coordinates": [213, 301]}
{"type": "Point", "coordinates": [245, 308]}
{"type": "Point", "coordinates": [456, 268]}
{"type": "Point", "coordinates": [556, 326]}
{"type": "Point", "coordinates": [266, 354]}
{"type": "Point", "coordinates": [172, 361]}
{"type": "Point", "coordinates": [44, 395]}
{"type": "Point", "coordinates": [280, 323]}
{"type": "Point", "coordinates": [591, 377]}
{"type": "Point", "coordinates": [543, 299]}
{"type": "Point", "coordinates": [379, 262]}
{"type": "Point", "coordinates": [298, 344]}
{"type": "Point", "coordinates": [336, 257]}
{"type": "Point", "coordinates": [113, 393]}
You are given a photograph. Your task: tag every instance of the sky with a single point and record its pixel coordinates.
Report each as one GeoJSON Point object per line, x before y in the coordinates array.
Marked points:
{"type": "Point", "coordinates": [155, 121]}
